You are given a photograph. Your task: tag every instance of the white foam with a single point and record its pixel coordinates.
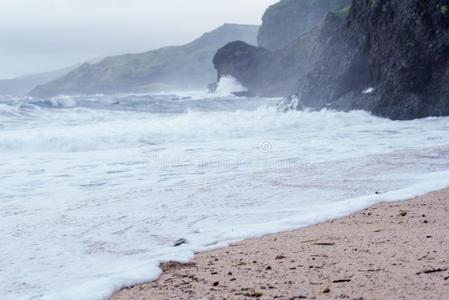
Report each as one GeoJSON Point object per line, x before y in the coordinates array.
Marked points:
{"type": "Point", "coordinates": [63, 101]}
{"type": "Point", "coordinates": [93, 199]}
{"type": "Point", "coordinates": [228, 85]}
{"type": "Point", "coordinates": [368, 90]}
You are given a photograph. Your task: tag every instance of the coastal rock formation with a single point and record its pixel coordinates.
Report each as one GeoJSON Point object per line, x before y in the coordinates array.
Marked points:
{"type": "Point", "coordinates": [250, 63]}
{"type": "Point", "coordinates": [286, 20]}
{"type": "Point", "coordinates": [388, 57]}
{"type": "Point", "coordinates": [269, 73]}
{"type": "Point", "coordinates": [180, 67]}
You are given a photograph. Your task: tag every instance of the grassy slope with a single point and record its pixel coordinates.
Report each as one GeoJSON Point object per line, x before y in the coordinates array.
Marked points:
{"type": "Point", "coordinates": [179, 67]}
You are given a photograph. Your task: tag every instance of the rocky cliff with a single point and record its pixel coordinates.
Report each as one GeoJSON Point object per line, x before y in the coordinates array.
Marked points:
{"type": "Point", "coordinates": [389, 57]}
{"type": "Point", "coordinates": [286, 20]}
{"type": "Point", "coordinates": [179, 67]}
{"type": "Point", "coordinates": [269, 73]}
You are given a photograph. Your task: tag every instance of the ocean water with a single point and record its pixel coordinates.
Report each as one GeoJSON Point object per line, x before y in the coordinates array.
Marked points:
{"type": "Point", "coordinates": [95, 190]}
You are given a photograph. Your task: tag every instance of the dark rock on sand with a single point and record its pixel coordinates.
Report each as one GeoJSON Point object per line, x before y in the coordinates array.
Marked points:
{"type": "Point", "coordinates": [180, 242]}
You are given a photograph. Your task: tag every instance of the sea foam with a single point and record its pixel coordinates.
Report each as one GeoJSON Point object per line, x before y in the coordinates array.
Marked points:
{"type": "Point", "coordinates": [95, 190]}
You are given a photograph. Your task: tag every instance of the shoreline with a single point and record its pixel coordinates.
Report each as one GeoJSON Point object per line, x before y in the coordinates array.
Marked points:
{"type": "Point", "coordinates": [394, 250]}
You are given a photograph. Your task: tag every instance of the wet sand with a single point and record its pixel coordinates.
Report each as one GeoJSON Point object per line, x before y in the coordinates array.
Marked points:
{"type": "Point", "coordinates": [397, 250]}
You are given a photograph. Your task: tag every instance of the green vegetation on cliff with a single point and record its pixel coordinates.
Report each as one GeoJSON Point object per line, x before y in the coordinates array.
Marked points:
{"type": "Point", "coordinates": [178, 67]}
{"type": "Point", "coordinates": [286, 20]}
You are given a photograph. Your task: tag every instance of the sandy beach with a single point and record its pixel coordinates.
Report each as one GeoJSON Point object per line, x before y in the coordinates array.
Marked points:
{"type": "Point", "coordinates": [396, 250]}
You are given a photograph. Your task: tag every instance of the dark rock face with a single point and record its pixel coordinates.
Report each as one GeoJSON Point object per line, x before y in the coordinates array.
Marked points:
{"type": "Point", "coordinates": [342, 71]}
{"type": "Point", "coordinates": [408, 43]}
{"type": "Point", "coordinates": [389, 57]}
{"type": "Point", "coordinates": [286, 20]}
{"type": "Point", "coordinates": [265, 72]}
{"type": "Point", "coordinates": [249, 64]}
{"type": "Point", "coordinates": [400, 48]}
{"type": "Point", "coordinates": [179, 67]}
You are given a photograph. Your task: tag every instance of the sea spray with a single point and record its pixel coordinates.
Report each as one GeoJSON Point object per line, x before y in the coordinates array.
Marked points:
{"type": "Point", "coordinates": [229, 85]}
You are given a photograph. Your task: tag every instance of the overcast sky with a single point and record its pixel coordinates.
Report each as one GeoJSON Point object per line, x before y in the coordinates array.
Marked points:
{"type": "Point", "coordinates": [42, 35]}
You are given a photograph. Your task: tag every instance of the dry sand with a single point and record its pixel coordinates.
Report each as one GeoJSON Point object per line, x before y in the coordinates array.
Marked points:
{"type": "Point", "coordinates": [394, 250]}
